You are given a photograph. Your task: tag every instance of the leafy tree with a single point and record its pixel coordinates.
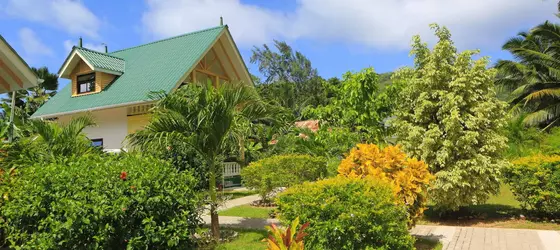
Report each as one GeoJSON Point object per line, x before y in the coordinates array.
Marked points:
{"type": "Point", "coordinates": [449, 117]}
{"type": "Point", "coordinates": [360, 105]}
{"type": "Point", "coordinates": [285, 66]}
{"type": "Point", "coordinates": [290, 80]}
{"type": "Point", "coordinates": [534, 75]}
{"type": "Point", "coordinates": [203, 118]}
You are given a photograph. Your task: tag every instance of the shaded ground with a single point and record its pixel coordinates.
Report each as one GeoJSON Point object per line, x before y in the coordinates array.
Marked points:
{"type": "Point", "coordinates": [501, 211]}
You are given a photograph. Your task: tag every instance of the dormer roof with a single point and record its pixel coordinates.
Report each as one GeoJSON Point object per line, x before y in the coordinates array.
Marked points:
{"type": "Point", "coordinates": [97, 61]}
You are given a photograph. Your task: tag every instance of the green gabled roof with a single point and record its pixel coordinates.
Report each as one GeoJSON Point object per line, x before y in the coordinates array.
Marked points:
{"type": "Point", "coordinates": [150, 67]}
{"type": "Point", "coordinates": [102, 60]}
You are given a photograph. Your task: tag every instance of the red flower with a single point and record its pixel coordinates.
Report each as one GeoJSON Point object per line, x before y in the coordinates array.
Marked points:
{"type": "Point", "coordinates": [123, 175]}
{"type": "Point", "coordinates": [133, 187]}
{"type": "Point", "coordinates": [123, 209]}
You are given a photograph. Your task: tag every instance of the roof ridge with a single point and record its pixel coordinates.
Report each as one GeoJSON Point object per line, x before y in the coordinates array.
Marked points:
{"type": "Point", "coordinates": [170, 38]}
{"type": "Point", "coordinates": [95, 51]}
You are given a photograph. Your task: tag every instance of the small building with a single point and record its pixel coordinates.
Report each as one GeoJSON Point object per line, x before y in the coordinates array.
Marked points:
{"type": "Point", "coordinates": [115, 86]}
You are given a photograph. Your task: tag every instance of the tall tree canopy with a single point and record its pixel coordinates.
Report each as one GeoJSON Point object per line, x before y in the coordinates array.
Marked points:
{"type": "Point", "coordinates": [449, 117]}
{"type": "Point", "coordinates": [534, 75]}
{"type": "Point", "coordinates": [289, 78]}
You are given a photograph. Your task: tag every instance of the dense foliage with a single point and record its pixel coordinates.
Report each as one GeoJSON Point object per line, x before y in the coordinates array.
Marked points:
{"type": "Point", "coordinates": [535, 181]}
{"type": "Point", "coordinates": [360, 105]}
{"type": "Point", "coordinates": [48, 141]}
{"type": "Point", "coordinates": [282, 171]}
{"type": "Point", "coordinates": [450, 118]}
{"type": "Point", "coordinates": [346, 213]}
{"type": "Point", "coordinates": [95, 202]}
{"type": "Point", "coordinates": [331, 143]}
{"type": "Point", "coordinates": [410, 177]}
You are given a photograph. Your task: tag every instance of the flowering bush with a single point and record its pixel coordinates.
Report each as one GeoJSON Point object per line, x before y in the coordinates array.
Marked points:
{"type": "Point", "coordinates": [347, 213]}
{"type": "Point", "coordinates": [409, 177]}
{"type": "Point", "coordinates": [535, 182]}
{"type": "Point", "coordinates": [102, 202]}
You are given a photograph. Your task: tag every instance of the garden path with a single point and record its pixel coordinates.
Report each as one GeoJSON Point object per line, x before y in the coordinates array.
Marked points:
{"type": "Point", "coordinates": [238, 202]}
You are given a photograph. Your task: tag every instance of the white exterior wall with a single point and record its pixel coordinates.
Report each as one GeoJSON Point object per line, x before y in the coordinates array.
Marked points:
{"type": "Point", "coordinates": [111, 126]}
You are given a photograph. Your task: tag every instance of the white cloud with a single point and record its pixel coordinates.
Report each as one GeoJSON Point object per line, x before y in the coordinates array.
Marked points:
{"type": "Point", "coordinates": [68, 44]}
{"type": "Point", "coordinates": [31, 44]}
{"type": "Point", "coordinates": [375, 23]}
{"type": "Point", "coordinates": [68, 15]}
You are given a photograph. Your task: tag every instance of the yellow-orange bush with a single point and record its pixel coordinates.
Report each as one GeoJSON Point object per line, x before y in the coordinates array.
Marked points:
{"type": "Point", "coordinates": [410, 177]}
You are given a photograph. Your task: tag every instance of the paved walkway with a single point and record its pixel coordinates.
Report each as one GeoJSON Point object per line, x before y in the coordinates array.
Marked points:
{"type": "Point", "coordinates": [238, 202]}
{"type": "Point", "coordinates": [474, 238]}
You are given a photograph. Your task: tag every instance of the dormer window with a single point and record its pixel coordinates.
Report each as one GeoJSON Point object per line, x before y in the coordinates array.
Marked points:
{"type": "Point", "coordinates": [86, 83]}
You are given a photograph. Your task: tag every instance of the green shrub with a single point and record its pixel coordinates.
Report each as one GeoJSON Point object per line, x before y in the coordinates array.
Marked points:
{"type": "Point", "coordinates": [535, 182]}
{"type": "Point", "coordinates": [347, 213]}
{"type": "Point", "coordinates": [329, 142]}
{"type": "Point", "coordinates": [111, 202]}
{"type": "Point", "coordinates": [282, 171]}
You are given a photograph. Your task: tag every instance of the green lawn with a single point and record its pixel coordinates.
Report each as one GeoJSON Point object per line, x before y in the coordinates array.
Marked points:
{"type": "Point", "coordinates": [238, 194]}
{"type": "Point", "coordinates": [247, 239]}
{"type": "Point", "coordinates": [247, 211]}
{"type": "Point", "coordinates": [252, 239]}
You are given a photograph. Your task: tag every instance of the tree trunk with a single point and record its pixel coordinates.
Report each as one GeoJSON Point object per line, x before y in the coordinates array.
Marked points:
{"type": "Point", "coordinates": [215, 223]}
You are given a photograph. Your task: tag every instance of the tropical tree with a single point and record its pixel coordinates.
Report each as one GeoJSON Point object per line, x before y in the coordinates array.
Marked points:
{"type": "Point", "coordinates": [289, 78]}
{"type": "Point", "coordinates": [359, 104]}
{"type": "Point", "coordinates": [534, 75]}
{"type": "Point", "coordinates": [204, 118]}
{"type": "Point", "coordinates": [449, 117]}
{"type": "Point", "coordinates": [63, 139]}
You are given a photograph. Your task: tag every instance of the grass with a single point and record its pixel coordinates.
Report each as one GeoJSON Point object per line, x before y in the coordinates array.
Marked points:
{"type": "Point", "coordinates": [252, 240]}
{"type": "Point", "coordinates": [247, 239]}
{"type": "Point", "coordinates": [247, 211]}
{"type": "Point", "coordinates": [500, 211]}
{"type": "Point", "coordinates": [238, 194]}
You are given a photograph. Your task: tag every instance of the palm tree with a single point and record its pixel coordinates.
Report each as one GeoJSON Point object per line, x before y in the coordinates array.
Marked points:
{"type": "Point", "coordinates": [48, 141]}
{"type": "Point", "coordinates": [534, 75]}
{"type": "Point", "coordinates": [62, 140]}
{"type": "Point", "coordinates": [204, 118]}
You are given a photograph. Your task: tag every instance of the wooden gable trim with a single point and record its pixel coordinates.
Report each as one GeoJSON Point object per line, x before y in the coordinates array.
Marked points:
{"type": "Point", "coordinates": [229, 59]}
{"type": "Point", "coordinates": [11, 74]}
{"type": "Point", "coordinates": [4, 83]}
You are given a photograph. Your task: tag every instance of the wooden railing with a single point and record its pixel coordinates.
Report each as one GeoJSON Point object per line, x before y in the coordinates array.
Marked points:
{"type": "Point", "coordinates": [231, 169]}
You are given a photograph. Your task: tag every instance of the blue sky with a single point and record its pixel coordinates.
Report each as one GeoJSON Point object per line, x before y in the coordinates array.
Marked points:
{"type": "Point", "coordinates": [336, 35]}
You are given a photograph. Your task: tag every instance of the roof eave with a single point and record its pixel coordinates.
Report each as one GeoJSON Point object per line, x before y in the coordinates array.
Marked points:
{"type": "Point", "coordinates": [88, 109]}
